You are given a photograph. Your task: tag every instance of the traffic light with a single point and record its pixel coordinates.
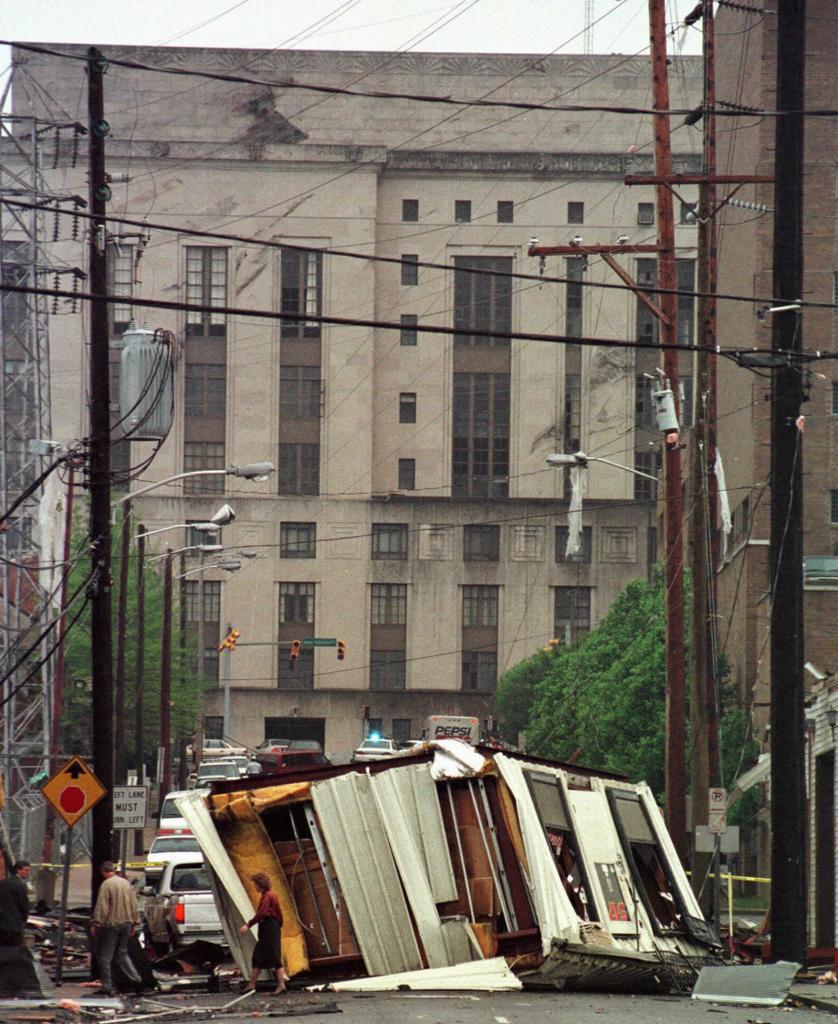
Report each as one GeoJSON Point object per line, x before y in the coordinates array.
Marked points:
{"type": "Point", "coordinates": [229, 641]}
{"type": "Point", "coordinates": [294, 653]}
{"type": "Point", "coordinates": [341, 650]}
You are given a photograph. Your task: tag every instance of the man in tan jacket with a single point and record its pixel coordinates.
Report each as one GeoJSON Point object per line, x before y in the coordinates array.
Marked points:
{"type": "Point", "coordinates": [115, 920]}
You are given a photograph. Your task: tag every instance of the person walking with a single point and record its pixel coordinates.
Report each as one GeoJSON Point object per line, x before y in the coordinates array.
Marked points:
{"type": "Point", "coordinates": [267, 956]}
{"type": "Point", "coordinates": [14, 905]}
{"type": "Point", "coordinates": [115, 919]}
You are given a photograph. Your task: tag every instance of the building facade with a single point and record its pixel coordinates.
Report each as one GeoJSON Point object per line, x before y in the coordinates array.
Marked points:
{"type": "Point", "coordinates": [411, 513]}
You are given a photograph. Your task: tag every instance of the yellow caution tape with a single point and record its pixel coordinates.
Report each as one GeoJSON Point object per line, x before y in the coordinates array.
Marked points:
{"type": "Point", "coordinates": [739, 878]}
{"type": "Point", "coordinates": [129, 865]}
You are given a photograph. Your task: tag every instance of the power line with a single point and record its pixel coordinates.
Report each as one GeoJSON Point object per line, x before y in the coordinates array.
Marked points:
{"type": "Point", "coordinates": [340, 321]}
{"type": "Point", "coordinates": [370, 258]}
{"type": "Point", "coordinates": [416, 97]}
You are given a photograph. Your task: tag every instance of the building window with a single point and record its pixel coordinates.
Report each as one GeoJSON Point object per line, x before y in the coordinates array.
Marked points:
{"type": "Point", "coordinates": [687, 214]}
{"type": "Point", "coordinates": [410, 268]}
{"type": "Point", "coordinates": [205, 390]}
{"type": "Point", "coordinates": [574, 270]}
{"type": "Point", "coordinates": [835, 398]}
{"type": "Point", "coordinates": [481, 543]}
{"type": "Point", "coordinates": [408, 333]}
{"type": "Point", "coordinates": [299, 469]}
{"type": "Point", "coordinates": [480, 457]}
{"type": "Point", "coordinates": [480, 670]}
{"type": "Point", "coordinates": [407, 474]}
{"type": "Point", "coordinates": [301, 293]}
{"type": "Point", "coordinates": [296, 603]}
{"type": "Point", "coordinates": [407, 407]}
{"type": "Point", "coordinates": [833, 508]}
{"type": "Point", "coordinates": [482, 302]}
{"type": "Point", "coordinates": [462, 211]}
{"type": "Point", "coordinates": [121, 274]}
{"type": "Point", "coordinates": [410, 209]}
{"type": "Point", "coordinates": [572, 412]}
{"type": "Point", "coordinates": [576, 213]}
{"type": "Point", "coordinates": [573, 613]}
{"type": "Point", "coordinates": [296, 675]}
{"type": "Point", "coordinates": [213, 727]}
{"type": "Point", "coordinates": [388, 604]}
{"type": "Point", "coordinates": [646, 323]}
{"type": "Point", "coordinates": [480, 606]}
{"type": "Point", "coordinates": [298, 540]}
{"type": "Point", "coordinates": [299, 392]}
{"type": "Point", "coordinates": [585, 553]}
{"type": "Point", "coordinates": [645, 213]}
{"type": "Point", "coordinates": [387, 670]}
{"type": "Point", "coordinates": [198, 538]}
{"type": "Point", "coordinates": [192, 592]}
{"type": "Point", "coordinates": [647, 461]}
{"type": "Point", "coordinates": [644, 407]}
{"type": "Point", "coordinates": [389, 541]}
{"type": "Point", "coordinates": [401, 730]}
{"type": "Point", "coordinates": [506, 211]}
{"type": "Point", "coordinates": [685, 394]}
{"type": "Point", "coordinates": [685, 304]}
{"type": "Point", "coordinates": [375, 726]}
{"type": "Point", "coordinates": [203, 455]}
{"type": "Point", "coordinates": [206, 285]}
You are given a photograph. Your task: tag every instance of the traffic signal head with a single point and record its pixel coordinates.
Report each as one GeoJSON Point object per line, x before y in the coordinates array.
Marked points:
{"type": "Point", "coordinates": [341, 650]}
{"type": "Point", "coordinates": [294, 652]}
{"type": "Point", "coordinates": [229, 641]}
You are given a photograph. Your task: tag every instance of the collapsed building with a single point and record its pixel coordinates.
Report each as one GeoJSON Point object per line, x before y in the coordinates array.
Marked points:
{"type": "Point", "coordinates": [451, 856]}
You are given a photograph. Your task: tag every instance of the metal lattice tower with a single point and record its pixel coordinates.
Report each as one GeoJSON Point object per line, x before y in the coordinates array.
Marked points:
{"type": "Point", "coordinates": [25, 604]}
{"type": "Point", "coordinates": [588, 37]}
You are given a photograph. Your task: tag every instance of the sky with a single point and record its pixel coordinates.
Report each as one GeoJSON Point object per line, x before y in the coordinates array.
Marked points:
{"type": "Point", "coordinates": [490, 26]}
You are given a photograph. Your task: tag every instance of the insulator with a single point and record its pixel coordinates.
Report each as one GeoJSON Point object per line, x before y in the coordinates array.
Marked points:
{"type": "Point", "coordinates": [746, 204]}
{"type": "Point", "coordinates": [55, 285]}
{"type": "Point", "coordinates": [74, 156]}
{"type": "Point", "coordinates": [57, 148]}
{"type": "Point", "coordinates": [74, 303]}
{"type": "Point", "coordinates": [56, 225]}
{"type": "Point", "coordinates": [75, 231]}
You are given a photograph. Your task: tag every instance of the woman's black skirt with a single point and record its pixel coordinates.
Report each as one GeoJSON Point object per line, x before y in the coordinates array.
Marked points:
{"type": "Point", "coordinates": [268, 954]}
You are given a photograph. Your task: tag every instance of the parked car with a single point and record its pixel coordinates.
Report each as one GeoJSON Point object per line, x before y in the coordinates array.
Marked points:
{"type": "Point", "coordinates": [274, 762]}
{"type": "Point", "coordinates": [171, 821]}
{"type": "Point", "coordinates": [240, 762]}
{"type": "Point", "coordinates": [272, 746]}
{"type": "Point", "coordinates": [305, 745]}
{"type": "Point", "coordinates": [166, 848]}
{"type": "Point", "coordinates": [410, 744]}
{"type": "Point", "coordinates": [221, 748]}
{"type": "Point", "coordinates": [180, 908]}
{"type": "Point", "coordinates": [376, 750]}
{"type": "Point", "coordinates": [210, 771]}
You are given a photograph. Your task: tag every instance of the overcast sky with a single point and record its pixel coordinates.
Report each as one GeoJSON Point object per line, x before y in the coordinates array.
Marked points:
{"type": "Point", "coordinates": [493, 26]}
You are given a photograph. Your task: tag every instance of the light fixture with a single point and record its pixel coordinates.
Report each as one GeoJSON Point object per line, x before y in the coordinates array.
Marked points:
{"type": "Point", "coordinates": [816, 673]}
{"type": "Point", "coordinates": [223, 516]}
{"type": "Point", "coordinates": [832, 720]}
{"type": "Point", "coordinates": [252, 470]}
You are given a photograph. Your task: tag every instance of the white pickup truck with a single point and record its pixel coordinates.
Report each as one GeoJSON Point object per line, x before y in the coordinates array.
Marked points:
{"type": "Point", "coordinates": [180, 907]}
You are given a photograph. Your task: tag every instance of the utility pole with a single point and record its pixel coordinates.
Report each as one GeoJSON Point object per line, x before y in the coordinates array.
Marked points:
{"type": "Point", "coordinates": [788, 790]}
{"type": "Point", "coordinates": [100, 473]}
{"type": "Point", "coordinates": [139, 674]}
{"type": "Point", "coordinates": [165, 680]}
{"type": "Point", "coordinates": [675, 764]}
{"type": "Point", "coordinates": [703, 488]}
{"type": "Point", "coordinates": [121, 643]}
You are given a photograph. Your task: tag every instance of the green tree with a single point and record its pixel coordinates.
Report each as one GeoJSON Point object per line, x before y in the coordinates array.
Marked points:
{"type": "Point", "coordinates": [76, 723]}
{"type": "Point", "coordinates": [603, 699]}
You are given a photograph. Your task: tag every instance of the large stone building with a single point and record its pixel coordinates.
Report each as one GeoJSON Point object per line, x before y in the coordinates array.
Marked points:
{"type": "Point", "coordinates": [745, 268]}
{"type": "Point", "coordinates": [411, 513]}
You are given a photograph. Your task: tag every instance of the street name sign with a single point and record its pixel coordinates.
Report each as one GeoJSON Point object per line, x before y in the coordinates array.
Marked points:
{"type": "Point", "coordinates": [73, 790]}
{"type": "Point", "coordinates": [129, 807]}
{"type": "Point", "coordinates": [320, 641]}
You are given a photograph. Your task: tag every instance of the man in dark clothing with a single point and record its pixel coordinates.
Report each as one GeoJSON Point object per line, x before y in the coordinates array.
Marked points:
{"type": "Point", "coordinates": [14, 905]}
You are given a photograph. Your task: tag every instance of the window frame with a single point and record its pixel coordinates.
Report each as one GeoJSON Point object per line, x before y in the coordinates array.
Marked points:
{"type": "Point", "coordinates": [576, 212]}
{"type": "Point", "coordinates": [410, 211]}
{"type": "Point", "coordinates": [481, 551]}
{"type": "Point", "coordinates": [202, 287]}
{"type": "Point", "coordinates": [407, 475]}
{"type": "Point", "coordinates": [578, 627]}
{"type": "Point", "coordinates": [296, 549]}
{"type": "Point", "coordinates": [409, 269]}
{"type": "Point", "coordinates": [407, 407]}
{"type": "Point", "coordinates": [306, 480]}
{"type": "Point", "coordinates": [480, 604]}
{"type": "Point", "coordinates": [296, 295]}
{"type": "Point", "coordinates": [388, 604]}
{"type": "Point", "coordinates": [462, 211]}
{"type": "Point", "coordinates": [504, 207]}
{"type": "Point", "coordinates": [192, 461]}
{"type": "Point", "coordinates": [584, 557]}
{"type": "Point", "coordinates": [408, 335]}
{"type": "Point", "coordinates": [646, 214]}
{"type": "Point", "coordinates": [395, 549]}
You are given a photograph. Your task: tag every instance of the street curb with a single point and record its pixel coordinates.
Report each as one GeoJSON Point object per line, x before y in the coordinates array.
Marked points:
{"type": "Point", "coordinates": [830, 1005]}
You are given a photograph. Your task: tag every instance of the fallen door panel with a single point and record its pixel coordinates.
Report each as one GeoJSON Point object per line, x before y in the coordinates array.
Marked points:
{"type": "Point", "coordinates": [364, 865]}
{"type": "Point", "coordinates": [480, 975]}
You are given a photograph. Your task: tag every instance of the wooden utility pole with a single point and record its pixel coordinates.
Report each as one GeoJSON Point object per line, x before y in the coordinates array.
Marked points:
{"type": "Point", "coordinates": [121, 643]}
{"type": "Point", "coordinates": [702, 483]}
{"type": "Point", "coordinates": [139, 674]}
{"type": "Point", "coordinates": [674, 768]}
{"type": "Point", "coordinates": [788, 789]}
{"type": "Point", "coordinates": [165, 681]}
{"type": "Point", "coordinates": [99, 462]}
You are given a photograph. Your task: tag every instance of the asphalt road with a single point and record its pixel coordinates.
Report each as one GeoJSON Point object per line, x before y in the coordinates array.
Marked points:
{"type": "Point", "coordinates": [483, 1008]}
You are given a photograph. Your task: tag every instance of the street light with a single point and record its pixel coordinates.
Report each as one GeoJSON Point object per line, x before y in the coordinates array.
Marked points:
{"type": "Point", "coordinates": [230, 565]}
{"type": "Point", "coordinates": [250, 471]}
{"type": "Point", "coordinates": [222, 517]}
{"type": "Point", "coordinates": [203, 548]}
{"type": "Point", "coordinates": [582, 460]}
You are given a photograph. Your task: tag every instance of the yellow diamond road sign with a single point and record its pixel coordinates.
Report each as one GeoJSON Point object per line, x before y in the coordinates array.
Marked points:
{"type": "Point", "coordinates": [73, 790]}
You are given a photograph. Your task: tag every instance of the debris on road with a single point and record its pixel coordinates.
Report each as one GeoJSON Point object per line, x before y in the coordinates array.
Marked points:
{"type": "Point", "coordinates": [750, 984]}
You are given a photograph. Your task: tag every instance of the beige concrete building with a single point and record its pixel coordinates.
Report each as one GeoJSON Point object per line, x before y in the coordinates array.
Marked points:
{"type": "Point", "coordinates": [412, 514]}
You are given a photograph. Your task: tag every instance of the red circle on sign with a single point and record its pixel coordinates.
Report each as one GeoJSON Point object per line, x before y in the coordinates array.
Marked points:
{"type": "Point", "coordinates": [71, 799]}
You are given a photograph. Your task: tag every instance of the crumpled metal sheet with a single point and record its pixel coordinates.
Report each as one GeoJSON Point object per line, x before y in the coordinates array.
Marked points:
{"type": "Point", "coordinates": [746, 984]}
{"type": "Point", "coordinates": [454, 759]}
{"type": "Point", "coordinates": [480, 975]}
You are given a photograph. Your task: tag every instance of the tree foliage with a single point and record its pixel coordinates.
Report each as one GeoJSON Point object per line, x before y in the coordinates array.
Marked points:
{"type": "Point", "coordinates": [76, 720]}
{"type": "Point", "coordinates": [603, 699]}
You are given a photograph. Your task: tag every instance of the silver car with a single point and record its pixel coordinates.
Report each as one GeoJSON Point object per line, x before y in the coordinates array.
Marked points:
{"type": "Point", "coordinates": [376, 750]}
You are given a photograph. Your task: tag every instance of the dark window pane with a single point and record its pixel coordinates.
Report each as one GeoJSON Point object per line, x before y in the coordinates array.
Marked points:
{"type": "Point", "coordinates": [301, 293]}
{"type": "Point", "coordinates": [481, 543]}
{"type": "Point", "coordinates": [646, 321]}
{"type": "Point", "coordinates": [480, 606]}
{"type": "Point", "coordinates": [573, 613]}
{"type": "Point", "coordinates": [645, 213]}
{"type": "Point", "coordinates": [646, 461]}
{"type": "Point", "coordinates": [574, 290]}
{"type": "Point", "coordinates": [462, 211]}
{"type": "Point", "coordinates": [479, 670]}
{"type": "Point", "coordinates": [298, 540]}
{"type": "Point", "coordinates": [688, 213]}
{"type": "Point", "coordinates": [482, 302]}
{"type": "Point", "coordinates": [198, 455]}
{"type": "Point", "coordinates": [685, 310]}
{"type": "Point", "coordinates": [389, 541]}
{"type": "Point", "coordinates": [296, 603]}
{"type": "Point", "coordinates": [407, 407]}
{"type": "Point", "coordinates": [205, 390]}
{"type": "Point", "coordinates": [408, 332]}
{"type": "Point", "coordinates": [299, 392]}
{"type": "Point", "coordinates": [401, 729]}
{"type": "Point", "coordinates": [121, 282]}
{"type": "Point", "coordinates": [407, 474]}
{"type": "Point", "coordinates": [300, 674]}
{"type": "Point", "coordinates": [299, 469]}
{"type": "Point", "coordinates": [506, 211]}
{"type": "Point", "coordinates": [585, 553]}
{"type": "Point", "coordinates": [387, 670]}
{"type": "Point", "coordinates": [410, 269]}
{"type": "Point", "coordinates": [576, 213]}
{"type": "Point", "coordinates": [480, 441]}
{"type": "Point", "coordinates": [206, 285]}
{"type": "Point", "coordinates": [388, 604]}
{"type": "Point", "coordinates": [410, 209]}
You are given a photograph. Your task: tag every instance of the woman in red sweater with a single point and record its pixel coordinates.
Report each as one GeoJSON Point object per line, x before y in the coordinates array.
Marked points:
{"type": "Point", "coordinates": [267, 956]}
